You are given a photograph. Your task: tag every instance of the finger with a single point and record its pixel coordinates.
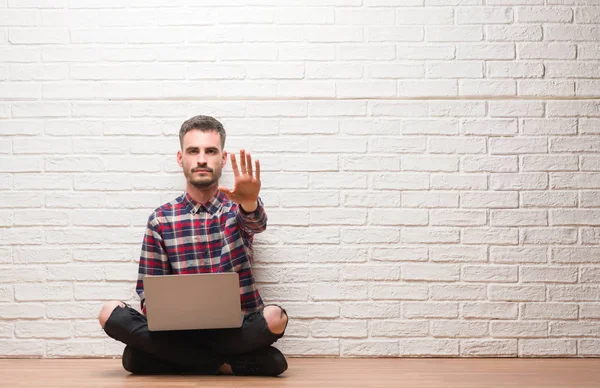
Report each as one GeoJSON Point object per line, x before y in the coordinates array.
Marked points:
{"type": "Point", "coordinates": [225, 191]}
{"type": "Point", "coordinates": [234, 165]}
{"type": "Point", "coordinates": [243, 161]}
{"type": "Point", "coordinates": [249, 163]}
{"type": "Point", "coordinates": [257, 163]}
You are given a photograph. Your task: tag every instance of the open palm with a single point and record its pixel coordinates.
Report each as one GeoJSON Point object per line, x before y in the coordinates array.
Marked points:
{"type": "Point", "coordinates": [246, 186]}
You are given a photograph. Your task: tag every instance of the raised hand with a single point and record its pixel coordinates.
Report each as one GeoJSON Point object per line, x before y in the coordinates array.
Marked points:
{"type": "Point", "coordinates": [246, 186]}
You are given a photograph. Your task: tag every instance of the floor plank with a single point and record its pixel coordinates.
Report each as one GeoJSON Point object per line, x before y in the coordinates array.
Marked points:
{"type": "Point", "coordinates": [319, 372]}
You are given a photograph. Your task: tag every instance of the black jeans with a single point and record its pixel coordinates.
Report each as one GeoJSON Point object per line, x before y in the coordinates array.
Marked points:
{"type": "Point", "coordinates": [202, 350]}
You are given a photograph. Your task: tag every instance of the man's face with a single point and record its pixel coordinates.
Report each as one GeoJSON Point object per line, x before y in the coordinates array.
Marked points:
{"type": "Point", "coordinates": [202, 158]}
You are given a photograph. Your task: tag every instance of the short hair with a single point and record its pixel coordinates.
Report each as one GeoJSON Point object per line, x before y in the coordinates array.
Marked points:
{"type": "Point", "coordinates": [204, 124]}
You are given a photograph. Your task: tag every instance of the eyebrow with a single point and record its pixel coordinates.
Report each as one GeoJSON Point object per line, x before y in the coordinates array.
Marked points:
{"type": "Point", "coordinates": [194, 148]}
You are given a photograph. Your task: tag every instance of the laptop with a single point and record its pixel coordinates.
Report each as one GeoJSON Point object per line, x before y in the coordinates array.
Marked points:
{"type": "Point", "coordinates": [193, 302]}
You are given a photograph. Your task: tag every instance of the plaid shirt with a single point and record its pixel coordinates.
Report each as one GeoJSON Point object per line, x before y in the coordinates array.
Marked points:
{"type": "Point", "coordinates": [186, 237]}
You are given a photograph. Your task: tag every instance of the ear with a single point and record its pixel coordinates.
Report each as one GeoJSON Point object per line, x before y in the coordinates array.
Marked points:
{"type": "Point", "coordinates": [224, 161]}
{"type": "Point", "coordinates": [179, 158]}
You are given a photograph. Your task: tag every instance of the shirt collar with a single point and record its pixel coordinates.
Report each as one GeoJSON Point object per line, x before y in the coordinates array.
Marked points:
{"type": "Point", "coordinates": [211, 206]}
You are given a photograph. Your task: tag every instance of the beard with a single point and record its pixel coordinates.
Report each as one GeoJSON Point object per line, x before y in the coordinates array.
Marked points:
{"type": "Point", "coordinates": [202, 182]}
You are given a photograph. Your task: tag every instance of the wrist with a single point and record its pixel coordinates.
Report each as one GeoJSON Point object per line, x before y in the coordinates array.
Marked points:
{"type": "Point", "coordinates": [249, 207]}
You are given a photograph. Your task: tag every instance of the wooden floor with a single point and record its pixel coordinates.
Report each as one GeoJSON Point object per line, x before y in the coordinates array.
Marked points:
{"type": "Point", "coordinates": [319, 372]}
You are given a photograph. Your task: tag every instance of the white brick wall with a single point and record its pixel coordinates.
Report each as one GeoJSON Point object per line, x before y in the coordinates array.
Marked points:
{"type": "Point", "coordinates": [431, 167]}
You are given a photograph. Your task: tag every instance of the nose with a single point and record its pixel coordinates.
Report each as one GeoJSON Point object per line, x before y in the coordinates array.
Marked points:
{"type": "Point", "coordinates": [202, 158]}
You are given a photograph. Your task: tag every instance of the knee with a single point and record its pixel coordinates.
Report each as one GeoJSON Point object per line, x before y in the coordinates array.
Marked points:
{"type": "Point", "coordinates": [276, 319]}
{"type": "Point", "coordinates": [106, 310]}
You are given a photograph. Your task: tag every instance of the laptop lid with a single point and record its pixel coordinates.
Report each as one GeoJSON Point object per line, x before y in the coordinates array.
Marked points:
{"type": "Point", "coordinates": [191, 302]}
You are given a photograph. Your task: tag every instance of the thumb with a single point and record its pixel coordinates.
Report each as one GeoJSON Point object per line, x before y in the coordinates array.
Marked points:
{"type": "Point", "coordinates": [225, 191]}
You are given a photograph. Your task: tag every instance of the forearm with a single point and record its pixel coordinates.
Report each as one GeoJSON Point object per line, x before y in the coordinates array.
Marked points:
{"type": "Point", "coordinates": [250, 220]}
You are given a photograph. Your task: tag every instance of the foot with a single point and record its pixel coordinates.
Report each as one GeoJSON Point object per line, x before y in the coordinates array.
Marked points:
{"type": "Point", "coordinates": [139, 362]}
{"type": "Point", "coordinates": [263, 362]}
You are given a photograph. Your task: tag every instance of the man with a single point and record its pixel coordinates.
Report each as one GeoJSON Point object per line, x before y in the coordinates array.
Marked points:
{"type": "Point", "coordinates": [207, 229]}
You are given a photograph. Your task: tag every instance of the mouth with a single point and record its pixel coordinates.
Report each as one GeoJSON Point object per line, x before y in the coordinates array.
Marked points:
{"type": "Point", "coordinates": [202, 171]}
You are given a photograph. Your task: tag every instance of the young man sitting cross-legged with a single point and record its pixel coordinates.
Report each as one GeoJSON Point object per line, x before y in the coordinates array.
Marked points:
{"type": "Point", "coordinates": [207, 229]}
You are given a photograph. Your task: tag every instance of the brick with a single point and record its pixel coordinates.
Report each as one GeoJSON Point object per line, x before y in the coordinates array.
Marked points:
{"type": "Point", "coordinates": [546, 88]}
{"type": "Point", "coordinates": [574, 180]}
{"type": "Point", "coordinates": [464, 254]}
{"type": "Point", "coordinates": [487, 88]}
{"type": "Point", "coordinates": [457, 218]}
{"type": "Point", "coordinates": [489, 310]}
{"type": "Point", "coordinates": [490, 163]}
{"type": "Point", "coordinates": [429, 347]}
{"type": "Point", "coordinates": [398, 292]}
{"type": "Point", "coordinates": [514, 33]}
{"type": "Point", "coordinates": [552, 235]}
{"type": "Point", "coordinates": [397, 217]}
{"type": "Point", "coordinates": [547, 14]}
{"type": "Point", "coordinates": [487, 15]}
{"type": "Point", "coordinates": [573, 33]}
{"type": "Point", "coordinates": [571, 70]}
{"type": "Point", "coordinates": [394, 254]}
{"type": "Point", "coordinates": [574, 329]}
{"type": "Point", "coordinates": [457, 145]}
{"type": "Point", "coordinates": [429, 199]}
{"type": "Point", "coordinates": [319, 254]}
{"type": "Point", "coordinates": [457, 69]}
{"type": "Point", "coordinates": [516, 293]}
{"type": "Point", "coordinates": [519, 329]}
{"type": "Point", "coordinates": [546, 50]}
{"type": "Point", "coordinates": [425, 16]}
{"type": "Point", "coordinates": [19, 348]}
{"type": "Point", "coordinates": [489, 273]}
{"type": "Point", "coordinates": [520, 181]}
{"type": "Point", "coordinates": [547, 347]}
{"type": "Point", "coordinates": [459, 329]}
{"type": "Point", "coordinates": [588, 347]}
{"type": "Point", "coordinates": [522, 69]}
{"type": "Point", "coordinates": [364, 16]}
{"type": "Point", "coordinates": [458, 292]}
{"type": "Point", "coordinates": [429, 310]}
{"type": "Point", "coordinates": [415, 52]}
{"type": "Point", "coordinates": [338, 329]}
{"type": "Point", "coordinates": [408, 181]}
{"type": "Point", "coordinates": [573, 293]}
{"type": "Point", "coordinates": [53, 292]}
{"type": "Point", "coordinates": [37, 35]}
{"type": "Point", "coordinates": [395, 34]}
{"type": "Point", "coordinates": [44, 329]}
{"type": "Point", "coordinates": [547, 200]}
{"type": "Point", "coordinates": [370, 310]}
{"type": "Point", "coordinates": [453, 34]}
{"type": "Point", "coordinates": [490, 235]}
{"type": "Point", "coordinates": [538, 274]}
{"type": "Point", "coordinates": [304, 15]}
{"type": "Point", "coordinates": [397, 328]}
{"type": "Point", "coordinates": [430, 272]}
{"type": "Point", "coordinates": [489, 200]}
{"type": "Point", "coordinates": [573, 108]}
{"type": "Point", "coordinates": [369, 348]}
{"type": "Point", "coordinates": [333, 71]}
{"type": "Point", "coordinates": [509, 218]}
{"type": "Point", "coordinates": [299, 347]}
{"type": "Point", "coordinates": [370, 235]}
{"type": "Point", "coordinates": [74, 348]}
{"type": "Point", "coordinates": [334, 34]}
{"type": "Point", "coordinates": [429, 163]}
{"type": "Point", "coordinates": [356, 89]}
{"type": "Point", "coordinates": [549, 310]}
{"type": "Point", "coordinates": [489, 348]}
{"type": "Point", "coordinates": [575, 217]}
{"type": "Point", "coordinates": [430, 236]}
